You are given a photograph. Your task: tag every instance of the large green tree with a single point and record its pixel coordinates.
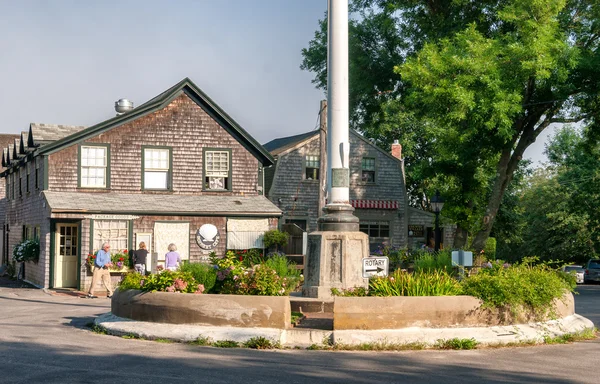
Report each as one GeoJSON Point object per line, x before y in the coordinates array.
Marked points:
{"type": "Point", "coordinates": [478, 81]}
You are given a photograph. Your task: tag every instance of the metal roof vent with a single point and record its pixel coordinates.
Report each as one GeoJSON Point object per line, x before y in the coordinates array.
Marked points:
{"type": "Point", "coordinates": [123, 106]}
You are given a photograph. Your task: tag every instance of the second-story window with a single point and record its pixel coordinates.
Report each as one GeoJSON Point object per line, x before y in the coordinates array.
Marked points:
{"type": "Point", "coordinates": [217, 170]}
{"type": "Point", "coordinates": [312, 167]}
{"type": "Point", "coordinates": [368, 170]}
{"type": "Point", "coordinates": [156, 168]}
{"type": "Point", "coordinates": [94, 166]}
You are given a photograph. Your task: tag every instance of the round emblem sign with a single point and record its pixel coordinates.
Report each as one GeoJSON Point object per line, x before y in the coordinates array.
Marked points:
{"type": "Point", "coordinates": [207, 236]}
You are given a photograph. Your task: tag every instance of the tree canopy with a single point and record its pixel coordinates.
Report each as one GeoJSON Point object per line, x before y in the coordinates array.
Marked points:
{"type": "Point", "coordinates": [467, 87]}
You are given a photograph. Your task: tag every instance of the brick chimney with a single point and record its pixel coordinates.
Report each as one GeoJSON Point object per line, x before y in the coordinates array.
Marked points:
{"type": "Point", "coordinates": [397, 150]}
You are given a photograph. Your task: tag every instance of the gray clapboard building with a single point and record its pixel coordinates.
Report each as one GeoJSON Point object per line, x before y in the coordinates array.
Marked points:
{"type": "Point", "coordinates": [377, 190]}
{"type": "Point", "coordinates": [156, 173]}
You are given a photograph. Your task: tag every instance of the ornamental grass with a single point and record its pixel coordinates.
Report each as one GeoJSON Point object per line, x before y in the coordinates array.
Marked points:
{"type": "Point", "coordinates": [400, 283]}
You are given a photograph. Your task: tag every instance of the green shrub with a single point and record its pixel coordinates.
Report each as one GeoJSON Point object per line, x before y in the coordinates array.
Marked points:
{"type": "Point", "coordinates": [259, 343]}
{"type": "Point", "coordinates": [226, 344]}
{"type": "Point", "coordinates": [203, 273]}
{"type": "Point", "coordinates": [430, 262]}
{"type": "Point", "coordinates": [490, 248]}
{"type": "Point", "coordinates": [276, 239]}
{"type": "Point", "coordinates": [524, 285]}
{"type": "Point", "coordinates": [27, 250]}
{"type": "Point", "coordinates": [399, 283]}
{"type": "Point", "coordinates": [456, 343]}
{"type": "Point", "coordinates": [164, 281]}
{"type": "Point", "coordinates": [350, 292]}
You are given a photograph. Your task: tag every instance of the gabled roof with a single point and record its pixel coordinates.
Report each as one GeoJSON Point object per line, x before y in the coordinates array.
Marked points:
{"type": "Point", "coordinates": [162, 100]}
{"type": "Point", "coordinates": [47, 133]}
{"type": "Point", "coordinates": [282, 144]}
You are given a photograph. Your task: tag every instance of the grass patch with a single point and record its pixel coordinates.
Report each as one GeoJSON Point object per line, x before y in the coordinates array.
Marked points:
{"type": "Point", "coordinates": [382, 346]}
{"type": "Point", "coordinates": [130, 336]}
{"type": "Point", "coordinates": [162, 340]}
{"type": "Point", "coordinates": [97, 329]}
{"type": "Point", "coordinates": [586, 334]}
{"type": "Point", "coordinates": [456, 343]}
{"type": "Point", "coordinates": [259, 343]}
{"type": "Point", "coordinates": [226, 344]}
{"type": "Point", "coordinates": [202, 341]}
{"type": "Point", "coordinates": [296, 317]}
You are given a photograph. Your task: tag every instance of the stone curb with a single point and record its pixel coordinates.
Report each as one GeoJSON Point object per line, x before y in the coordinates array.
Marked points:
{"type": "Point", "coordinates": [297, 337]}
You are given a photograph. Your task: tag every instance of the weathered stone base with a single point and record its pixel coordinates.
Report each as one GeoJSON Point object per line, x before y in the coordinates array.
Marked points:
{"type": "Point", "coordinates": [334, 260]}
{"type": "Point", "coordinates": [209, 310]}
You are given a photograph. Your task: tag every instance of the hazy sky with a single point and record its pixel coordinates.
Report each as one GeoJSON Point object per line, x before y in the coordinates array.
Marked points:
{"type": "Point", "coordinates": [67, 62]}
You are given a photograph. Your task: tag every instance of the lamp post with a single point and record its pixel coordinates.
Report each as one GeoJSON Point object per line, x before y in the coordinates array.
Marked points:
{"type": "Point", "coordinates": [437, 203]}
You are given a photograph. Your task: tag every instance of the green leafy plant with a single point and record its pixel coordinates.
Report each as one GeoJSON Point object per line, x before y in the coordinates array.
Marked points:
{"type": "Point", "coordinates": [400, 283]}
{"type": "Point", "coordinates": [27, 250]}
{"type": "Point", "coordinates": [202, 340]}
{"type": "Point", "coordinates": [259, 343]}
{"type": "Point", "coordinates": [350, 292]}
{"type": "Point", "coordinates": [226, 344]}
{"type": "Point", "coordinates": [456, 343]}
{"type": "Point", "coordinates": [525, 285]}
{"type": "Point", "coordinates": [203, 273]}
{"type": "Point", "coordinates": [164, 281]}
{"type": "Point", "coordinates": [429, 262]}
{"type": "Point", "coordinates": [275, 238]}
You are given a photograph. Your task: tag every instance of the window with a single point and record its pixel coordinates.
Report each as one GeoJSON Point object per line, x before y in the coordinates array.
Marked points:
{"type": "Point", "coordinates": [156, 168]}
{"type": "Point", "coordinates": [368, 170]}
{"type": "Point", "coordinates": [217, 170]}
{"type": "Point", "coordinates": [375, 228]}
{"type": "Point", "coordinates": [379, 234]}
{"type": "Point", "coordinates": [116, 232]}
{"type": "Point", "coordinates": [300, 223]}
{"type": "Point", "coordinates": [28, 165]}
{"type": "Point", "coordinates": [313, 164]}
{"type": "Point", "coordinates": [94, 164]}
{"type": "Point", "coordinates": [20, 180]}
{"type": "Point", "coordinates": [37, 172]}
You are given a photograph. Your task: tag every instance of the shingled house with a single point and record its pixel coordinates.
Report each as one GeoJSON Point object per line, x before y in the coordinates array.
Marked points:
{"type": "Point", "coordinates": [6, 140]}
{"type": "Point", "coordinates": [176, 169]}
{"type": "Point", "coordinates": [377, 190]}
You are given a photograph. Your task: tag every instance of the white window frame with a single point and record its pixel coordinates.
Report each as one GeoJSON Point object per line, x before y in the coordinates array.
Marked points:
{"type": "Point", "coordinates": [216, 178]}
{"type": "Point", "coordinates": [88, 164]}
{"type": "Point", "coordinates": [157, 166]}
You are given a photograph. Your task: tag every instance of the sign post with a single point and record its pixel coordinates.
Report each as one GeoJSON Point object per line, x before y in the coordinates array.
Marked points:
{"type": "Point", "coordinates": [375, 266]}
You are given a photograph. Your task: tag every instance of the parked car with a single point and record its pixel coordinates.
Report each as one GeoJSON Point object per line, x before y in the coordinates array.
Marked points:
{"type": "Point", "coordinates": [577, 270]}
{"type": "Point", "coordinates": [592, 270]}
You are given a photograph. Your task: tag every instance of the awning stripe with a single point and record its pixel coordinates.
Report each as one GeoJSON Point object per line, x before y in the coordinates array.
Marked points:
{"type": "Point", "coordinates": [374, 204]}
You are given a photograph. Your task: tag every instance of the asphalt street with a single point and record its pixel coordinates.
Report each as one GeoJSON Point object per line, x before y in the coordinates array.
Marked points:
{"type": "Point", "coordinates": [44, 339]}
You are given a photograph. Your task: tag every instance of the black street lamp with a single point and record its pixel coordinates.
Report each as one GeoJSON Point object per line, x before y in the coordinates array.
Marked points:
{"type": "Point", "coordinates": [437, 203]}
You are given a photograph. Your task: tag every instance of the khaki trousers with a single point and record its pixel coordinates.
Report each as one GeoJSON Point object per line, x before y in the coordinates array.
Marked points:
{"type": "Point", "coordinates": [104, 275]}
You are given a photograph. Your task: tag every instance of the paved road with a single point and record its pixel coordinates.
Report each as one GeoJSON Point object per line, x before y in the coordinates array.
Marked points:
{"type": "Point", "coordinates": [43, 339]}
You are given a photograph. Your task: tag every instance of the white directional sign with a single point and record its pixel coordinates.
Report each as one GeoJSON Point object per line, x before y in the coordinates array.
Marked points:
{"type": "Point", "coordinates": [375, 266]}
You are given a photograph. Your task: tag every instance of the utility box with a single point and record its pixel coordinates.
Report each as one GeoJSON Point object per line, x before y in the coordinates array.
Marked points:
{"type": "Point", "coordinates": [462, 258]}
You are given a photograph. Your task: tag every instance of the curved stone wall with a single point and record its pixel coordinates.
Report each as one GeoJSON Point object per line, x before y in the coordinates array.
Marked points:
{"type": "Point", "coordinates": [214, 310]}
{"type": "Point", "coordinates": [368, 313]}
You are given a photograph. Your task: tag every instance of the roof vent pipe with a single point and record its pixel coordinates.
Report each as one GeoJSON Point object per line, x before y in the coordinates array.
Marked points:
{"type": "Point", "coordinates": [123, 106]}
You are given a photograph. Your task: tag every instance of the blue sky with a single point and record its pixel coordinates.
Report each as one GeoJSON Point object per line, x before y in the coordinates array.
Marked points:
{"type": "Point", "coordinates": [67, 62]}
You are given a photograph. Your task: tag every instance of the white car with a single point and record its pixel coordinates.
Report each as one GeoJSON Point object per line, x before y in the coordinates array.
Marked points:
{"type": "Point", "coordinates": [578, 270]}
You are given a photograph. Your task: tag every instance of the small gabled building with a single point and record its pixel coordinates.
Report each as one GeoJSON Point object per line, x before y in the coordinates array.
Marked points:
{"type": "Point", "coordinates": [176, 169]}
{"type": "Point", "coordinates": [377, 190]}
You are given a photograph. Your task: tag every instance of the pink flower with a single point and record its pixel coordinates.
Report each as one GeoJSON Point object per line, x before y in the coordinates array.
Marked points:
{"type": "Point", "coordinates": [200, 289]}
{"type": "Point", "coordinates": [171, 289]}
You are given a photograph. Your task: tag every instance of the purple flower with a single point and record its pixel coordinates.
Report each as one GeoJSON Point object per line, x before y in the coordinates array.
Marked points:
{"type": "Point", "coordinates": [119, 264]}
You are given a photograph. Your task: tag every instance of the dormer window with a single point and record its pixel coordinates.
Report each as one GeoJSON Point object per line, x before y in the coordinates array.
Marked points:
{"type": "Point", "coordinates": [94, 166]}
{"type": "Point", "coordinates": [217, 170]}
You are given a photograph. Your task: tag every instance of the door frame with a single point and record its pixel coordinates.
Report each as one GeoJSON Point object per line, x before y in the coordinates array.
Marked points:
{"type": "Point", "coordinates": [53, 223]}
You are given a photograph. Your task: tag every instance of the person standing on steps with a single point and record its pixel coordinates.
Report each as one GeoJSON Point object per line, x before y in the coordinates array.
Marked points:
{"type": "Point", "coordinates": [172, 259]}
{"type": "Point", "coordinates": [139, 259]}
{"type": "Point", "coordinates": [101, 266]}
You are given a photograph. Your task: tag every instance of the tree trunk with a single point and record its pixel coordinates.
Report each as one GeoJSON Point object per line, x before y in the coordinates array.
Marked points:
{"type": "Point", "coordinates": [504, 173]}
{"type": "Point", "coordinates": [460, 238]}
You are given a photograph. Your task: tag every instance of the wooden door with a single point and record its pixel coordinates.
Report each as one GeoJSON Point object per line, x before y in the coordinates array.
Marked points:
{"type": "Point", "coordinates": [66, 253]}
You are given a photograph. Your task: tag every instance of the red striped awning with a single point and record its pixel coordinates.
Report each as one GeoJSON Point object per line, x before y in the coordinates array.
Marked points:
{"type": "Point", "coordinates": [374, 204]}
